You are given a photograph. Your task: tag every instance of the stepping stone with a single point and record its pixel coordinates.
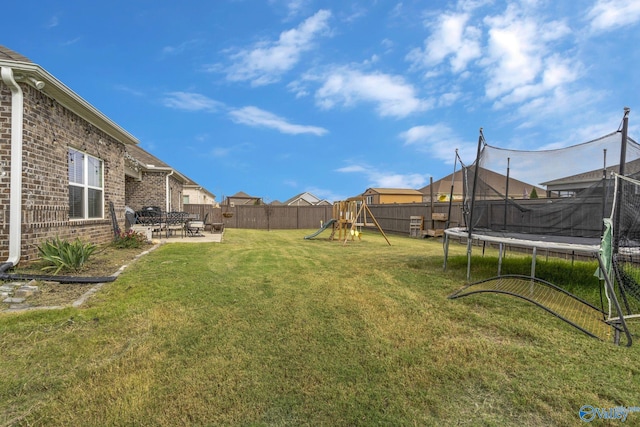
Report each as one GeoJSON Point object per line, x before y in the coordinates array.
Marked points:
{"type": "Point", "coordinates": [25, 291]}
{"type": "Point", "coordinates": [9, 287]}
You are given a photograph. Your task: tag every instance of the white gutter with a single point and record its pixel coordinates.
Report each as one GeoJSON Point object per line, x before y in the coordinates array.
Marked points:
{"type": "Point", "coordinates": [167, 194]}
{"type": "Point", "coordinates": [15, 201]}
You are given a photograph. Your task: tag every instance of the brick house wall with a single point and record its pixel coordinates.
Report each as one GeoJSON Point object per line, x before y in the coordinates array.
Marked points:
{"type": "Point", "coordinates": [151, 191]}
{"type": "Point", "coordinates": [50, 130]}
{"type": "Point", "coordinates": [175, 194]}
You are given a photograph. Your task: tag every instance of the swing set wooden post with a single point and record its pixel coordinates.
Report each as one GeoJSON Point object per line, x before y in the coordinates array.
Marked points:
{"type": "Point", "coordinates": [351, 215]}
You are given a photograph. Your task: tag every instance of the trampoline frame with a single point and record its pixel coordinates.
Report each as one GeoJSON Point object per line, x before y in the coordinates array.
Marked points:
{"type": "Point", "coordinates": [558, 243]}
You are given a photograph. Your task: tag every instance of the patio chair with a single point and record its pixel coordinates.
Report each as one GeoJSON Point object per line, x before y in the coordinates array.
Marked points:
{"type": "Point", "coordinates": [175, 222]}
{"type": "Point", "coordinates": [194, 228]}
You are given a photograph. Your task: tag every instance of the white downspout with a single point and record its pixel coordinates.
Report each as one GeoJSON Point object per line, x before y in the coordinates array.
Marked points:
{"type": "Point", "coordinates": [168, 193]}
{"type": "Point", "coordinates": [15, 212]}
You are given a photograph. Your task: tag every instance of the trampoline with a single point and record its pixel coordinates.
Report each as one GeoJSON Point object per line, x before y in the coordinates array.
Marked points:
{"type": "Point", "coordinates": [553, 299]}
{"type": "Point", "coordinates": [574, 245]}
{"type": "Point", "coordinates": [575, 217]}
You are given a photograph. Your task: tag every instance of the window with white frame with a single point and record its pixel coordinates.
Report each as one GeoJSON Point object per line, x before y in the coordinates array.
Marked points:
{"type": "Point", "coordinates": [86, 186]}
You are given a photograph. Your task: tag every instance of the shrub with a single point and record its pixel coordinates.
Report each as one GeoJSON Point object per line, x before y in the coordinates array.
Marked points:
{"type": "Point", "coordinates": [63, 255]}
{"type": "Point", "coordinates": [534, 194]}
{"type": "Point", "coordinates": [130, 239]}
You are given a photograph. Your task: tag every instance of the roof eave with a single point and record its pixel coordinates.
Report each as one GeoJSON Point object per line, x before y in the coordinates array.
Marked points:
{"type": "Point", "coordinates": [69, 99]}
{"type": "Point", "coordinates": [152, 168]}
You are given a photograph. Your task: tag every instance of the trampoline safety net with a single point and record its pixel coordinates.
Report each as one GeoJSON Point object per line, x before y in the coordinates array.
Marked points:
{"type": "Point", "coordinates": [564, 194]}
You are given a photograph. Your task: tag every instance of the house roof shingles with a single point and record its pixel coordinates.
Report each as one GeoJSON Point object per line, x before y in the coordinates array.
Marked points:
{"type": "Point", "coordinates": [10, 55]}
{"type": "Point", "coordinates": [55, 89]}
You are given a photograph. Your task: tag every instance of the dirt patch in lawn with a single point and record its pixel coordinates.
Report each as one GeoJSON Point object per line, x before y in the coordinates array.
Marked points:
{"type": "Point", "coordinates": [20, 294]}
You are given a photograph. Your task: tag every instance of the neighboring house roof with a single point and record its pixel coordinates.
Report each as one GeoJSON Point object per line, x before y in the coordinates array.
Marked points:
{"type": "Point", "coordinates": [442, 187]}
{"type": "Point", "coordinates": [139, 159]}
{"type": "Point", "coordinates": [394, 191]}
{"type": "Point", "coordinates": [302, 199]}
{"type": "Point", "coordinates": [242, 198]}
{"type": "Point", "coordinates": [25, 71]}
{"type": "Point", "coordinates": [586, 179]}
{"type": "Point", "coordinates": [305, 198]}
{"type": "Point", "coordinates": [242, 195]}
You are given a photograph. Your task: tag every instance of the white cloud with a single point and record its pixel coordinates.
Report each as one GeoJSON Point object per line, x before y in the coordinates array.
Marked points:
{"type": "Point", "coordinates": [440, 142]}
{"type": "Point", "coordinates": [54, 21]}
{"type": "Point", "coordinates": [520, 55]}
{"type": "Point", "coordinates": [189, 101]}
{"type": "Point", "coordinates": [326, 194]}
{"type": "Point", "coordinates": [384, 179]}
{"type": "Point", "coordinates": [451, 38]}
{"type": "Point", "coordinates": [254, 116]}
{"type": "Point", "coordinates": [556, 72]}
{"type": "Point", "coordinates": [267, 61]}
{"type": "Point", "coordinates": [608, 15]}
{"type": "Point", "coordinates": [129, 90]}
{"type": "Point", "coordinates": [71, 42]}
{"type": "Point", "coordinates": [392, 94]}
{"type": "Point", "coordinates": [236, 150]}
{"type": "Point", "coordinates": [180, 48]}
{"type": "Point", "coordinates": [220, 151]}
{"type": "Point", "coordinates": [449, 98]}
{"type": "Point", "coordinates": [552, 108]}
{"type": "Point", "coordinates": [295, 7]}
{"type": "Point", "coordinates": [396, 180]}
{"type": "Point", "coordinates": [351, 169]}
{"type": "Point", "coordinates": [298, 88]}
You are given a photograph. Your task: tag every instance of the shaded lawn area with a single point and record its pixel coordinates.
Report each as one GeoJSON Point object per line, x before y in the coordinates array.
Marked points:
{"type": "Point", "coordinates": [270, 329]}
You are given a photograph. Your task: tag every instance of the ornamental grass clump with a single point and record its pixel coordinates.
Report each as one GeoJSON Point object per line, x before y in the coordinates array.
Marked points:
{"type": "Point", "coordinates": [63, 255]}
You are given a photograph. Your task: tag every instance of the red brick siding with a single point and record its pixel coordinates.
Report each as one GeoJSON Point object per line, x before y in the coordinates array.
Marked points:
{"type": "Point", "coordinates": [152, 191]}
{"type": "Point", "coordinates": [49, 130]}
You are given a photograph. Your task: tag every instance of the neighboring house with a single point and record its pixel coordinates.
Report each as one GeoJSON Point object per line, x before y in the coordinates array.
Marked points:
{"type": "Point", "coordinates": [570, 185]}
{"type": "Point", "coordinates": [241, 198]}
{"type": "Point", "coordinates": [305, 199]}
{"type": "Point", "coordinates": [195, 194]}
{"type": "Point", "coordinates": [379, 196]}
{"type": "Point", "coordinates": [441, 189]}
{"type": "Point", "coordinates": [62, 163]}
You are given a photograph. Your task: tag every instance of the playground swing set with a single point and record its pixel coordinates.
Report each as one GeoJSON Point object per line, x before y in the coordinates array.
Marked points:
{"type": "Point", "coordinates": [348, 219]}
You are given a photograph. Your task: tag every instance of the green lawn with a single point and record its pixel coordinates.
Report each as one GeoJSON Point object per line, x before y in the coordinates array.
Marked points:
{"type": "Point", "coordinates": [270, 329]}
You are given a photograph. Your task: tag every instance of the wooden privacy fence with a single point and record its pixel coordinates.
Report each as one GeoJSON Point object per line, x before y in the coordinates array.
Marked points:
{"type": "Point", "coordinates": [265, 217]}
{"type": "Point", "coordinates": [393, 218]}
{"type": "Point", "coordinates": [397, 218]}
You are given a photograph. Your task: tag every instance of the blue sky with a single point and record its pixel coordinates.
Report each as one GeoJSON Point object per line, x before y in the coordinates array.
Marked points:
{"type": "Point", "coordinates": [278, 97]}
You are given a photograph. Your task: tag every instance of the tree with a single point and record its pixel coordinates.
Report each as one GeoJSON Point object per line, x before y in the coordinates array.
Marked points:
{"type": "Point", "coordinates": [534, 194]}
